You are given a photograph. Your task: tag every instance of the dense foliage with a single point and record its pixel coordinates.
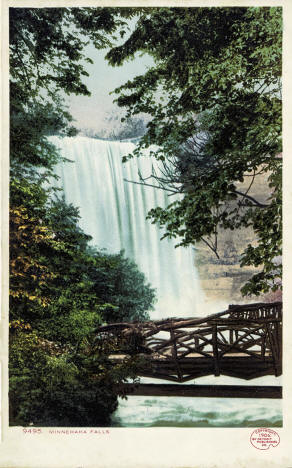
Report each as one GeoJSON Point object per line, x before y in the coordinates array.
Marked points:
{"type": "Point", "coordinates": [47, 62]}
{"type": "Point", "coordinates": [214, 97]}
{"type": "Point", "coordinates": [61, 288]}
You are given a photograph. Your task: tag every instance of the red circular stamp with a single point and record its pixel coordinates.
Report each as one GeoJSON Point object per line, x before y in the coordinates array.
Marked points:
{"type": "Point", "coordinates": [263, 438]}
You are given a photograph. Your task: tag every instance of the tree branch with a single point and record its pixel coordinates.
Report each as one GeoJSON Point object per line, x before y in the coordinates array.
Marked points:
{"type": "Point", "coordinates": [214, 249]}
{"type": "Point", "coordinates": [150, 185]}
{"type": "Point", "coordinates": [257, 203]}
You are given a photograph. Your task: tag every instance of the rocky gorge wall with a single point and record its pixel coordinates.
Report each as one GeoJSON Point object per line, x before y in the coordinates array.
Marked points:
{"type": "Point", "coordinates": [222, 279]}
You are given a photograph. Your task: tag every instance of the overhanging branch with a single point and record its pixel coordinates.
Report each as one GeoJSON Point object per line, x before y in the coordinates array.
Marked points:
{"type": "Point", "coordinates": [256, 202]}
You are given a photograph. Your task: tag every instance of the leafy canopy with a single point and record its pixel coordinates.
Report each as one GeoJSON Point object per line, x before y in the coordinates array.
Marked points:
{"type": "Point", "coordinates": [47, 62]}
{"type": "Point", "coordinates": [214, 97]}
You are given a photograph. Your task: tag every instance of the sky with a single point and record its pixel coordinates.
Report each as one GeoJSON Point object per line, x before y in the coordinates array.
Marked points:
{"type": "Point", "coordinates": [89, 112]}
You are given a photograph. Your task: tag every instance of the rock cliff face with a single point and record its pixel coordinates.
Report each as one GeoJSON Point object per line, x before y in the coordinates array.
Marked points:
{"type": "Point", "coordinates": [222, 279]}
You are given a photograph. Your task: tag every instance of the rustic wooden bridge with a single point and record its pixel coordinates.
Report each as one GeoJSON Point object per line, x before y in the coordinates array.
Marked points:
{"type": "Point", "coordinates": [244, 341]}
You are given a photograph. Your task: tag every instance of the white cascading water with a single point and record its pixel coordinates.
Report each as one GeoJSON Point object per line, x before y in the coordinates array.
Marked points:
{"type": "Point", "coordinates": [113, 211]}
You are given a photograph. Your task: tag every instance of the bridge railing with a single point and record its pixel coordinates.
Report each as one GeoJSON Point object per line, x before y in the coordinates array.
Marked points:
{"type": "Point", "coordinates": [244, 341]}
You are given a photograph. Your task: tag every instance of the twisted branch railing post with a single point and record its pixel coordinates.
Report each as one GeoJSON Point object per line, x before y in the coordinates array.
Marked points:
{"type": "Point", "coordinates": [174, 354]}
{"type": "Point", "coordinates": [215, 350]}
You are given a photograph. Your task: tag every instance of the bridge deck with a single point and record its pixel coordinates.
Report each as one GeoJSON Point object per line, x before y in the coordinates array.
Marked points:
{"type": "Point", "coordinates": [194, 366]}
{"type": "Point", "coordinates": [210, 391]}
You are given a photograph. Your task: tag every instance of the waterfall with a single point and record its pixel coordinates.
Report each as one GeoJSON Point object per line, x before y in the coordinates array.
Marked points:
{"type": "Point", "coordinates": [113, 207]}
{"type": "Point", "coordinates": [113, 212]}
